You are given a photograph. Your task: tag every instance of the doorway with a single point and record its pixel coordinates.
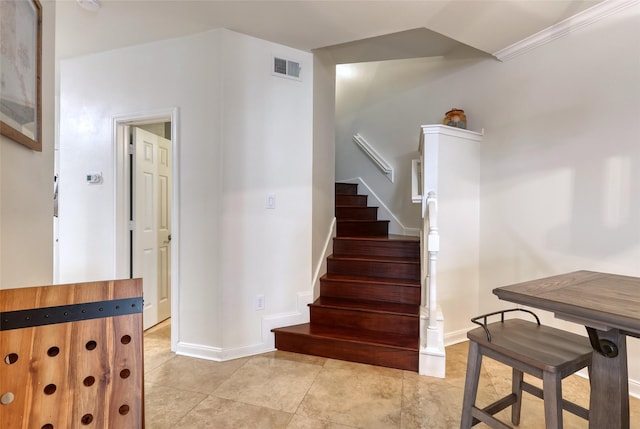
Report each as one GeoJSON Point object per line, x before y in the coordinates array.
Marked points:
{"type": "Point", "coordinates": [146, 177]}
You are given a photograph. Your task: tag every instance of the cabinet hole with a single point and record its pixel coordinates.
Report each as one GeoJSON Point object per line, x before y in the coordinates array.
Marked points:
{"type": "Point", "coordinates": [126, 339]}
{"type": "Point", "coordinates": [53, 351]}
{"type": "Point", "coordinates": [50, 389]}
{"type": "Point", "coordinates": [91, 345]}
{"type": "Point", "coordinates": [11, 358]}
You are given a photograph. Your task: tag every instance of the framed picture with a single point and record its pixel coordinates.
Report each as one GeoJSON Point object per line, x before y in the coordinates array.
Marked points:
{"type": "Point", "coordinates": [20, 70]}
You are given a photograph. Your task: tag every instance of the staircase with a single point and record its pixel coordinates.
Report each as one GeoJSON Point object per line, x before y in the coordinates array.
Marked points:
{"type": "Point", "coordinates": [368, 309]}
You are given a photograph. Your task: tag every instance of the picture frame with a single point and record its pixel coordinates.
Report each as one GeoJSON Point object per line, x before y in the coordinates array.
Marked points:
{"type": "Point", "coordinates": [20, 72]}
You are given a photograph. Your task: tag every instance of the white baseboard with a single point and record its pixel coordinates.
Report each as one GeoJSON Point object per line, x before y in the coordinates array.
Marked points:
{"type": "Point", "coordinates": [198, 351]}
{"type": "Point", "coordinates": [299, 316]}
{"type": "Point", "coordinates": [268, 338]}
{"type": "Point", "coordinates": [455, 337]}
{"type": "Point", "coordinates": [634, 388]}
{"type": "Point", "coordinates": [220, 355]}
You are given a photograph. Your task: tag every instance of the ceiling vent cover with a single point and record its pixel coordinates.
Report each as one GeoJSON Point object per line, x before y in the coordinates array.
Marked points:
{"type": "Point", "coordinates": [286, 68]}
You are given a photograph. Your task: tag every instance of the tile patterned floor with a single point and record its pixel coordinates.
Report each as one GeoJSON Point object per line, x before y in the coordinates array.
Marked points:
{"type": "Point", "coordinates": [281, 390]}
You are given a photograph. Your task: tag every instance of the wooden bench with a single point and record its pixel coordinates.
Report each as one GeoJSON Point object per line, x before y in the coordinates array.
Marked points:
{"type": "Point", "coordinates": [527, 347]}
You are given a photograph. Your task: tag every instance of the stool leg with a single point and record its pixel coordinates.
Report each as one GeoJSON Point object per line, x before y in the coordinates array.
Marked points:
{"type": "Point", "coordinates": [474, 363]}
{"type": "Point", "coordinates": [516, 389]}
{"type": "Point", "coordinates": [552, 388]}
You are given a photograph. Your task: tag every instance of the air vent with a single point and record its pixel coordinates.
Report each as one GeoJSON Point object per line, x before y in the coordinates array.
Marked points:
{"type": "Point", "coordinates": [286, 68]}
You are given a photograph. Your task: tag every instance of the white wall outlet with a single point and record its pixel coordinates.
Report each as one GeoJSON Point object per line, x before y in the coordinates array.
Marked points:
{"type": "Point", "coordinates": [259, 302]}
{"type": "Point", "coordinates": [93, 177]}
{"type": "Point", "coordinates": [271, 201]}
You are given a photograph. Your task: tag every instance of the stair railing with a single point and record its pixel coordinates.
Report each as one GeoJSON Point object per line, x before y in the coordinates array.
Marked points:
{"type": "Point", "coordinates": [433, 246]}
{"type": "Point", "coordinates": [425, 192]}
{"type": "Point", "coordinates": [376, 158]}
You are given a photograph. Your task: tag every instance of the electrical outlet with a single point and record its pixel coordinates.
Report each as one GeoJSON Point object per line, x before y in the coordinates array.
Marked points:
{"type": "Point", "coordinates": [259, 302]}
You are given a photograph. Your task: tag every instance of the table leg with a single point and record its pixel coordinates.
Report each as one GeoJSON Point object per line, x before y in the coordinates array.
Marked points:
{"type": "Point", "coordinates": [609, 406]}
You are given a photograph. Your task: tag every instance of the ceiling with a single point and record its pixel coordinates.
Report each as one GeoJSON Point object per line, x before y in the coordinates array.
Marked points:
{"type": "Point", "coordinates": [487, 25]}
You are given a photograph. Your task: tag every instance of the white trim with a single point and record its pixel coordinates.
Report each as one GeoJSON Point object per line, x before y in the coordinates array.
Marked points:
{"type": "Point", "coordinates": [395, 226]}
{"type": "Point", "coordinates": [121, 198]}
{"type": "Point", "coordinates": [634, 388]}
{"type": "Point", "coordinates": [456, 337]}
{"type": "Point", "coordinates": [298, 317]}
{"type": "Point", "coordinates": [217, 354]}
{"type": "Point", "coordinates": [582, 19]}
{"type": "Point", "coordinates": [416, 181]}
{"type": "Point", "coordinates": [448, 130]}
{"type": "Point", "coordinates": [321, 265]}
{"type": "Point", "coordinates": [197, 350]}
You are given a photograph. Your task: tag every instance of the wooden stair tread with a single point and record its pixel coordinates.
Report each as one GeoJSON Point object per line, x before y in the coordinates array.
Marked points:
{"type": "Point", "coordinates": [371, 279]}
{"type": "Point", "coordinates": [370, 306]}
{"type": "Point", "coordinates": [388, 237]}
{"type": "Point", "coordinates": [374, 258]}
{"type": "Point", "coordinates": [363, 221]}
{"type": "Point", "coordinates": [407, 342]}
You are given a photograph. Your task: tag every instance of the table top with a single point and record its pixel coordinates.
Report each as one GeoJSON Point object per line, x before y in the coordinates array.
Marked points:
{"type": "Point", "coordinates": [600, 300]}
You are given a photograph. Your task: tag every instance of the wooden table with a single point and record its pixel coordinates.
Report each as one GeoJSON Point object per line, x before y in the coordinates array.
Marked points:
{"type": "Point", "coordinates": [608, 305]}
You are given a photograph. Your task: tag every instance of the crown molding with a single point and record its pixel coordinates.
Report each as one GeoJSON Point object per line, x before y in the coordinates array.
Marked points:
{"type": "Point", "coordinates": [582, 19]}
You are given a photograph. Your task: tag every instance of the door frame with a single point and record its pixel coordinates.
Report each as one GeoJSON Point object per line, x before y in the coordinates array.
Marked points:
{"type": "Point", "coordinates": [121, 124]}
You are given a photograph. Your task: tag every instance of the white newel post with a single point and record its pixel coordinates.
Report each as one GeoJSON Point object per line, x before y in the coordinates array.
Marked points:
{"type": "Point", "coordinates": [440, 145]}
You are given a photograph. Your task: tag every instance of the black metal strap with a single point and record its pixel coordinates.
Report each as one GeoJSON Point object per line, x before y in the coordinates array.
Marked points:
{"type": "Point", "coordinates": [69, 313]}
{"type": "Point", "coordinates": [484, 317]}
{"type": "Point", "coordinates": [605, 347]}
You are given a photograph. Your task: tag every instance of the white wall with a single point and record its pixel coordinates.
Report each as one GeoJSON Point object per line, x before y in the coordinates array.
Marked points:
{"type": "Point", "coordinates": [26, 188]}
{"type": "Point", "coordinates": [242, 133]}
{"type": "Point", "coordinates": [384, 102]}
{"type": "Point", "coordinates": [266, 149]}
{"type": "Point", "coordinates": [561, 163]}
{"type": "Point", "coordinates": [560, 159]}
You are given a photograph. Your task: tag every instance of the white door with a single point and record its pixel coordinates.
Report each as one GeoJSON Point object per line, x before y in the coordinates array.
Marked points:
{"type": "Point", "coordinates": [152, 223]}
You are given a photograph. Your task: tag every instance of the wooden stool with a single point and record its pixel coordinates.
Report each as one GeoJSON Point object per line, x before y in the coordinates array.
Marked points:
{"type": "Point", "coordinates": [546, 353]}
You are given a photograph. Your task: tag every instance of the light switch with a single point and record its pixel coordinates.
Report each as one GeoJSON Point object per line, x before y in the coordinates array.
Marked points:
{"type": "Point", "coordinates": [271, 201]}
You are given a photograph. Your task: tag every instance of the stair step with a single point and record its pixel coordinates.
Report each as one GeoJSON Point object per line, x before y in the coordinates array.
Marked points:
{"type": "Point", "coordinates": [362, 228]}
{"type": "Point", "coordinates": [351, 200]}
{"type": "Point", "coordinates": [401, 319]}
{"type": "Point", "coordinates": [372, 288]}
{"type": "Point", "coordinates": [389, 268]}
{"type": "Point", "coordinates": [392, 245]}
{"type": "Point", "coordinates": [374, 348]}
{"type": "Point", "coordinates": [346, 188]}
{"type": "Point", "coordinates": [369, 305]}
{"type": "Point", "coordinates": [356, 213]}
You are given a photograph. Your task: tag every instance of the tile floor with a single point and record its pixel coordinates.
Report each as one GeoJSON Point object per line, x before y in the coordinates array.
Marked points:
{"type": "Point", "coordinates": [281, 390]}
